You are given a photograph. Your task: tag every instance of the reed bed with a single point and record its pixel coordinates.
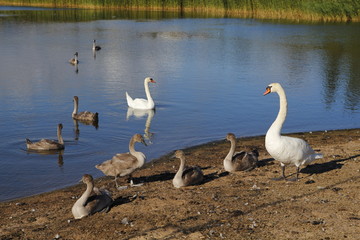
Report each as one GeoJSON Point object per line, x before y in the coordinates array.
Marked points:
{"type": "Point", "coordinates": [324, 10]}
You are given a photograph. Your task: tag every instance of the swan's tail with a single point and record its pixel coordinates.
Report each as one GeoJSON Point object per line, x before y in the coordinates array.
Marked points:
{"type": "Point", "coordinates": [28, 141]}
{"type": "Point", "coordinates": [129, 99]}
{"type": "Point", "coordinates": [311, 158]}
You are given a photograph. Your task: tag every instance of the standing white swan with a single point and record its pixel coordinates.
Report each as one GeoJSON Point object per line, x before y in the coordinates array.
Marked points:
{"type": "Point", "coordinates": [140, 103]}
{"type": "Point", "coordinates": [239, 161]}
{"type": "Point", "coordinates": [92, 200]}
{"type": "Point", "coordinates": [286, 150]}
{"type": "Point", "coordinates": [123, 164]}
{"type": "Point", "coordinates": [186, 175]}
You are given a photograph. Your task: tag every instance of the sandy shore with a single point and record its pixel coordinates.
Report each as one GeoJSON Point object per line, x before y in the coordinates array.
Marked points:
{"type": "Point", "coordinates": [323, 204]}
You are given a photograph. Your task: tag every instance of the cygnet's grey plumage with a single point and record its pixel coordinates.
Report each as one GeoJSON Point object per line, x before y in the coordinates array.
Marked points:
{"type": "Point", "coordinates": [46, 144]}
{"type": "Point", "coordinates": [92, 200]}
{"type": "Point", "coordinates": [239, 161]}
{"type": "Point", "coordinates": [186, 175]}
{"type": "Point", "coordinates": [74, 60]}
{"type": "Point", "coordinates": [123, 164]}
{"type": "Point", "coordinates": [85, 116]}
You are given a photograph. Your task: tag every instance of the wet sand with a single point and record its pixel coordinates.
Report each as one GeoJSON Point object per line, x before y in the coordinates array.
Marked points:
{"type": "Point", "coordinates": [323, 204]}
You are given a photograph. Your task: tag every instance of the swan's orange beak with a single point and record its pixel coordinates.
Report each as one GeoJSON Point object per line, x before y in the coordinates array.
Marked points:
{"type": "Point", "coordinates": [268, 90]}
{"type": "Point", "coordinates": [153, 81]}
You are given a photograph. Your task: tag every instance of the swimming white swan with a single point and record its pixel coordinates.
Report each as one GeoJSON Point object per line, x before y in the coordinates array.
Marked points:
{"type": "Point", "coordinates": [123, 164]}
{"type": "Point", "coordinates": [92, 200]}
{"type": "Point", "coordinates": [83, 116]}
{"type": "Point", "coordinates": [140, 103]}
{"type": "Point", "coordinates": [186, 175]}
{"type": "Point", "coordinates": [286, 150]}
{"type": "Point", "coordinates": [46, 144]}
{"type": "Point", "coordinates": [95, 47]}
{"type": "Point", "coordinates": [74, 60]}
{"type": "Point", "coordinates": [239, 161]}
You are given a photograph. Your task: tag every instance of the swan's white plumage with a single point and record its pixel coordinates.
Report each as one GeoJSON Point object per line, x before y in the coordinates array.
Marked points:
{"type": "Point", "coordinates": [140, 103]}
{"type": "Point", "coordinates": [286, 150]}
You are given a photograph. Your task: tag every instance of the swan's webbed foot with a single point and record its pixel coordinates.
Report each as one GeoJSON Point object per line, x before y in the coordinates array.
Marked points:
{"type": "Point", "coordinates": [282, 175]}
{"type": "Point", "coordinates": [135, 185]}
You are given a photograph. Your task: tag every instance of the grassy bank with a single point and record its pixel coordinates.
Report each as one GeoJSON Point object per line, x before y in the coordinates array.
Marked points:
{"type": "Point", "coordinates": [313, 10]}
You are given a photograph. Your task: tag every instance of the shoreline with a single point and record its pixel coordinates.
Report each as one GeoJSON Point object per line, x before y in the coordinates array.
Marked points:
{"type": "Point", "coordinates": [167, 156]}
{"type": "Point", "coordinates": [323, 204]}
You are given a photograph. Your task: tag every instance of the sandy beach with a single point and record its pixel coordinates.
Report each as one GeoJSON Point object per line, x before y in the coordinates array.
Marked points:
{"type": "Point", "coordinates": [323, 204]}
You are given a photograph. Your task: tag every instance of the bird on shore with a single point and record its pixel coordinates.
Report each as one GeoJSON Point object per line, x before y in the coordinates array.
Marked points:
{"type": "Point", "coordinates": [124, 164]}
{"type": "Point", "coordinates": [239, 161]}
{"type": "Point", "coordinates": [95, 47]}
{"type": "Point", "coordinates": [85, 116]}
{"type": "Point", "coordinates": [140, 103]}
{"type": "Point", "coordinates": [186, 175]}
{"type": "Point", "coordinates": [286, 150]}
{"type": "Point", "coordinates": [92, 200]}
{"type": "Point", "coordinates": [74, 60]}
{"type": "Point", "coordinates": [46, 144]}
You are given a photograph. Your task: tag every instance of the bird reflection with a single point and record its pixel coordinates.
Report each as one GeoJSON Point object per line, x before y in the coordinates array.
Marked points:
{"type": "Point", "coordinates": [77, 130]}
{"type": "Point", "coordinates": [140, 113]}
{"type": "Point", "coordinates": [60, 154]}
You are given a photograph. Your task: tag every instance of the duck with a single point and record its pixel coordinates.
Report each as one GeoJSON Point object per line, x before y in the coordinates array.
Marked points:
{"type": "Point", "coordinates": [92, 200]}
{"type": "Point", "coordinates": [140, 103]}
{"type": "Point", "coordinates": [46, 144]}
{"type": "Point", "coordinates": [124, 164]}
{"type": "Point", "coordinates": [239, 161]}
{"type": "Point", "coordinates": [95, 47]}
{"type": "Point", "coordinates": [74, 60]}
{"type": "Point", "coordinates": [287, 150]}
{"type": "Point", "coordinates": [186, 175]}
{"type": "Point", "coordinates": [83, 116]}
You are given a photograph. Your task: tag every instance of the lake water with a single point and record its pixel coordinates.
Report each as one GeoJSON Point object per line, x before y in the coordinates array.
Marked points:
{"type": "Point", "coordinates": [210, 73]}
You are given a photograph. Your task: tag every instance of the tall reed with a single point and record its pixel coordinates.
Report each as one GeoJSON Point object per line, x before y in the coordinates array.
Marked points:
{"type": "Point", "coordinates": [326, 10]}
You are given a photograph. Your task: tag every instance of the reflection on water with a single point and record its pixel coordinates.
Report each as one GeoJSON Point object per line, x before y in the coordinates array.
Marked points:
{"type": "Point", "coordinates": [211, 75]}
{"type": "Point", "coordinates": [139, 114]}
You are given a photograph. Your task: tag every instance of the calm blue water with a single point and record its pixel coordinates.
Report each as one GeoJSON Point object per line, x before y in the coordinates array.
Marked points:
{"type": "Point", "coordinates": [211, 74]}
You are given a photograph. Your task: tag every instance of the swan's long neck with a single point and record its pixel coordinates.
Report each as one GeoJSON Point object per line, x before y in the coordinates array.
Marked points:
{"type": "Point", "coordinates": [275, 128]}
{"type": "Point", "coordinates": [181, 168]}
{"type": "Point", "coordinates": [60, 138]}
{"type": "Point", "coordinates": [139, 155]}
{"type": "Point", "coordinates": [76, 106]}
{"type": "Point", "coordinates": [147, 91]}
{"type": "Point", "coordinates": [231, 151]}
{"type": "Point", "coordinates": [82, 200]}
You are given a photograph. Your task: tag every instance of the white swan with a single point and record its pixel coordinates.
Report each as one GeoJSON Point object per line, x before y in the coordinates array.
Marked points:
{"type": "Point", "coordinates": [286, 150]}
{"type": "Point", "coordinates": [140, 103]}
{"type": "Point", "coordinates": [186, 175]}
{"type": "Point", "coordinates": [123, 164]}
{"type": "Point", "coordinates": [239, 161]}
{"type": "Point", "coordinates": [92, 200]}
{"type": "Point", "coordinates": [46, 144]}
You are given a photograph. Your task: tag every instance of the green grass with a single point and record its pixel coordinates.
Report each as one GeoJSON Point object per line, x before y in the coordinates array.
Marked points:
{"type": "Point", "coordinates": [325, 10]}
